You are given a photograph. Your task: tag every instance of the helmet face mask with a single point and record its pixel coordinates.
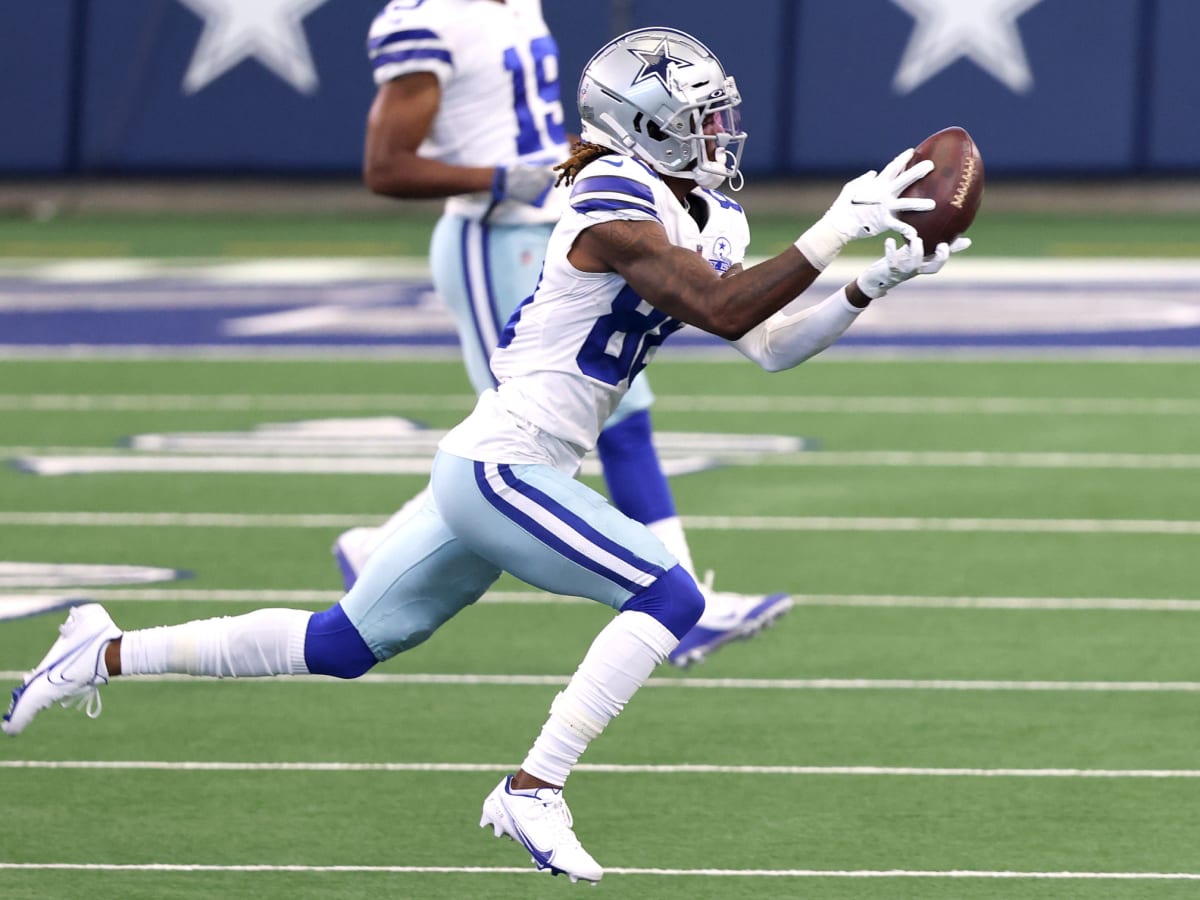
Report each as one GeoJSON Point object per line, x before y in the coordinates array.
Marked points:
{"type": "Point", "coordinates": [660, 95]}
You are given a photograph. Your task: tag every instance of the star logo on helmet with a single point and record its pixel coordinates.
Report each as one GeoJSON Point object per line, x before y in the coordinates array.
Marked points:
{"type": "Point", "coordinates": [655, 62]}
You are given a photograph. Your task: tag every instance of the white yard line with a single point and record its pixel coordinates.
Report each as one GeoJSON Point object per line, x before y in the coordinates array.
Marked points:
{"type": "Point", "coordinates": [857, 354]}
{"type": "Point", "coordinates": [613, 870]}
{"type": "Point", "coordinates": [610, 769]}
{"type": "Point", "coordinates": [83, 460]}
{"type": "Point", "coordinates": [899, 601]}
{"type": "Point", "coordinates": [344, 403]}
{"type": "Point", "coordinates": [690, 683]}
{"type": "Point", "coordinates": [696, 523]}
{"type": "Point", "coordinates": [318, 270]}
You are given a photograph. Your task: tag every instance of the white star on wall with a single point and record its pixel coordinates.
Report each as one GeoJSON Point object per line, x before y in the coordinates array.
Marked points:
{"type": "Point", "coordinates": [984, 31]}
{"type": "Point", "coordinates": [266, 30]}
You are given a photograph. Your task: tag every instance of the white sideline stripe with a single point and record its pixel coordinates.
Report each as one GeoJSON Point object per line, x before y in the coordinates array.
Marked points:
{"type": "Point", "coordinates": [904, 405]}
{"type": "Point", "coordinates": [697, 523]}
{"type": "Point", "coordinates": [786, 684]}
{"type": "Point", "coordinates": [610, 769]}
{"type": "Point", "coordinates": [191, 595]}
{"type": "Point", "coordinates": [611, 870]}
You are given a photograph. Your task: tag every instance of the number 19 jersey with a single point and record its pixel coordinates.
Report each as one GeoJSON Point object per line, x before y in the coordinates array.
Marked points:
{"type": "Point", "coordinates": [497, 67]}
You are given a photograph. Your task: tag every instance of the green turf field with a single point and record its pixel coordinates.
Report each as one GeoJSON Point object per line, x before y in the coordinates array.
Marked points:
{"type": "Point", "coordinates": [407, 234]}
{"type": "Point", "coordinates": [988, 688]}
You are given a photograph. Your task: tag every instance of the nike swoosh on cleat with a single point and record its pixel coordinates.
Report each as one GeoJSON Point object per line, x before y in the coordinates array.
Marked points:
{"type": "Point", "coordinates": [540, 856]}
{"type": "Point", "coordinates": [65, 660]}
{"type": "Point", "coordinates": [864, 202]}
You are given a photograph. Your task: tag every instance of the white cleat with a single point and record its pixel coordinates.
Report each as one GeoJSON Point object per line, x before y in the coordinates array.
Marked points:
{"type": "Point", "coordinates": [70, 673]}
{"type": "Point", "coordinates": [540, 821]}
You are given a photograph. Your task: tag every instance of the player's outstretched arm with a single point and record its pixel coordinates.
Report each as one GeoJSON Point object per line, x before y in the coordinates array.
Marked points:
{"type": "Point", "coordinates": [786, 340]}
{"type": "Point", "coordinates": [682, 284]}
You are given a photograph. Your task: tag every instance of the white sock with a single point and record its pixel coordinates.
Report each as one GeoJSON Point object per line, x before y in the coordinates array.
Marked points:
{"type": "Point", "coordinates": [264, 642]}
{"type": "Point", "coordinates": [619, 661]}
{"type": "Point", "coordinates": [399, 517]}
{"type": "Point", "coordinates": [670, 532]}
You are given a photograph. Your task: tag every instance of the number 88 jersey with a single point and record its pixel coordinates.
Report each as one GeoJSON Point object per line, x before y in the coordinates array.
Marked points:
{"type": "Point", "coordinates": [569, 352]}
{"type": "Point", "coordinates": [497, 66]}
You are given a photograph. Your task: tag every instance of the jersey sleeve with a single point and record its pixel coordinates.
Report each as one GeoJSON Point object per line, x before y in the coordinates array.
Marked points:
{"type": "Point", "coordinates": [726, 235]}
{"type": "Point", "coordinates": [402, 46]}
{"type": "Point", "coordinates": [615, 188]}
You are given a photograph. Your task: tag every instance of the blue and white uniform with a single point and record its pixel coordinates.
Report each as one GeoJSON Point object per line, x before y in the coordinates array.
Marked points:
{"type": "Point", "coordinates": [497, 67]}
{"type": "Point", "coordinates": [504, 491]}
{"type": "Point", "coordinates": [571, 351]}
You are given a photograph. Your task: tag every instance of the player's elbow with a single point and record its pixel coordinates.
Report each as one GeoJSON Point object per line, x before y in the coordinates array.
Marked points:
{"type": "Point", "coordinates": [387, 179]}
{"type": "Point", "coordinates": [769, 363]}
{"type": "Point", "coordinates": [727, 324]}
{"type": "Point", "coordinates": [380, 180]}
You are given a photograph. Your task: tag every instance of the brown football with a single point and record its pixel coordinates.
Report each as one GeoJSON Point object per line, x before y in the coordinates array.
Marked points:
{"type": "Point", "coordinates": [955, 184]}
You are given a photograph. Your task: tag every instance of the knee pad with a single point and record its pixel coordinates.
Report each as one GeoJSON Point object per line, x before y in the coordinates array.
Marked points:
{"type": "Point", "coordinates": [333, 646]}
{"type": "Point", "coordinates": [674, 600]}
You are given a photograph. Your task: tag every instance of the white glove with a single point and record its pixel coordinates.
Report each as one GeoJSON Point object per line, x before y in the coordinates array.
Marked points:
{"type": "Point", "coordinates": [523, 184]}
{"type": "Point", "coordinates": [866, 207]}
{"type": "Point", "coordinates": [901, 263]}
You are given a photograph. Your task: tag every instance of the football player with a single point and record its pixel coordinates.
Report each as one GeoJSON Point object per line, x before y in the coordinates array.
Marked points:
{"type": "Point", "coordinates": [625, 268]}
{"type": "Point", "coordinates": [467, 108]}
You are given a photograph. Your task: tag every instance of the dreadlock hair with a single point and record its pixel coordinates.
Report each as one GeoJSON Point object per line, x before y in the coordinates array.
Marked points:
{"type": "Point", "coordinates": [582, 153]}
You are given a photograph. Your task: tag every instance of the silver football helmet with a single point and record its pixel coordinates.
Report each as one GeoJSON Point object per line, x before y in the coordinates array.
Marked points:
{"type": "Point", "coordinates": [660, 95]}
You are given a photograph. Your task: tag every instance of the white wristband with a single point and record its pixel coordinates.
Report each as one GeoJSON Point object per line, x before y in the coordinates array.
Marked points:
{"type": "Point", "coordinates": [872, 288]}
{"type": "Point", "coordinates": [821, 244]}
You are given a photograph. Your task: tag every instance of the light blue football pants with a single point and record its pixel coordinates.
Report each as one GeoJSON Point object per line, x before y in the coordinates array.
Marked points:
{"type": "Point", "coordinates": [483, 272]}
{"type": "Point", "coordinates": [544, 527]}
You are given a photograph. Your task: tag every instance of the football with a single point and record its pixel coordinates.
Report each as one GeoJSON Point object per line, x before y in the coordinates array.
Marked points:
{"type": "Point", "coordinates": [955, 184]}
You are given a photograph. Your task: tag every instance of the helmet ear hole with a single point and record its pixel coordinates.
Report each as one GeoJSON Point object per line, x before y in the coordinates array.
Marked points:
{"type": "Point", "coordinates": [654, 132]}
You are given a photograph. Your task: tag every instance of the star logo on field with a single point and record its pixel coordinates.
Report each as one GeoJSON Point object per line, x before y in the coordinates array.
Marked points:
{"type": "Point", "coordinates": [983, 31]}
{"type": "Point", "coordinates": [654, 63]}
{"type": "Point", "coordinates": [269, 31]}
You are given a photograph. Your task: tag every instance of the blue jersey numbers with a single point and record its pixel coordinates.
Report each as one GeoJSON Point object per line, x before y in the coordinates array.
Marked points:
{"type": "Point", "coordinates": [540, 123]}
{"type": "Point", "coordinates": [617, 345]}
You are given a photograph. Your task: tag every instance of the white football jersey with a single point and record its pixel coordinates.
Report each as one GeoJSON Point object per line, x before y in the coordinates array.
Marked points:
{"type": "Point", "coordinates": [570, 351]}
{"type": "Point", "coordinates": [497, 65]}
